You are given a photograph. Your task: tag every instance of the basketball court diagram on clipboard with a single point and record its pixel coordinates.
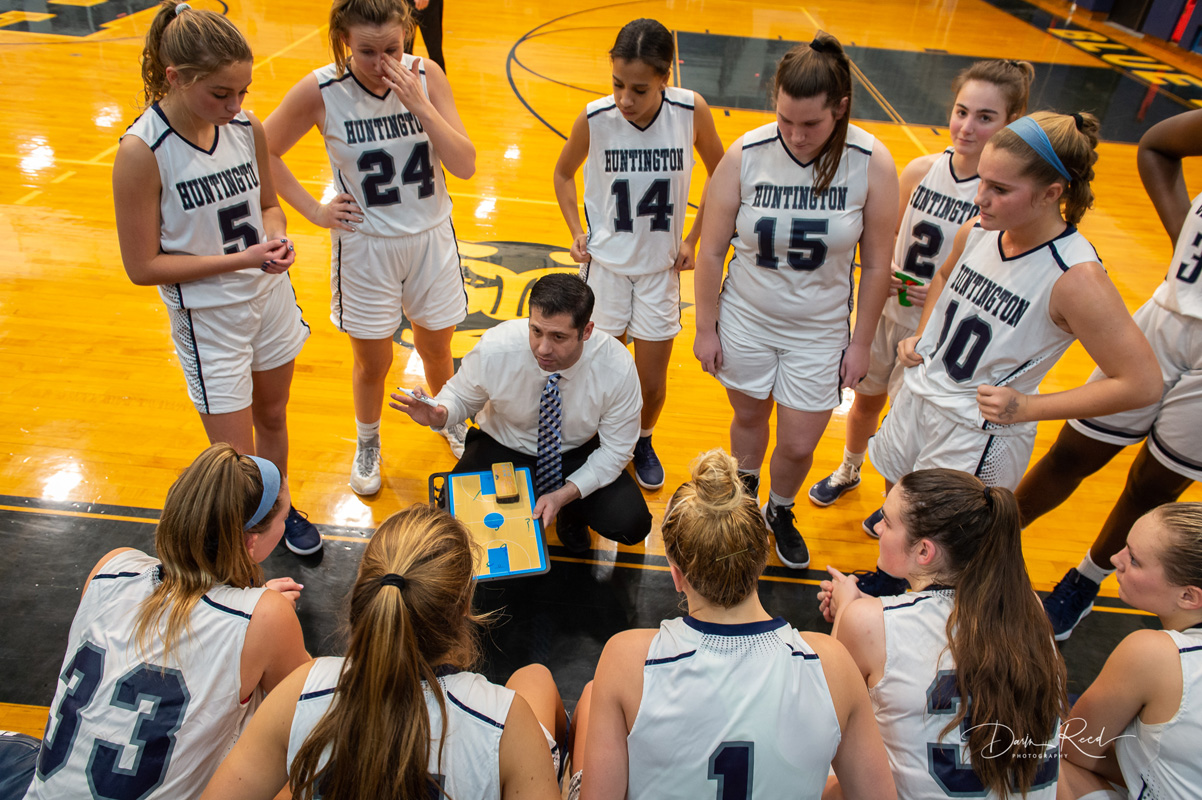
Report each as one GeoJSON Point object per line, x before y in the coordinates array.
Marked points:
{"type": "Point", "coordinates": [512, 538]}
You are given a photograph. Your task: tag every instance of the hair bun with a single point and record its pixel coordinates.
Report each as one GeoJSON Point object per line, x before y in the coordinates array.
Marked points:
{"type": "Point", "coordinates": [716, 482]}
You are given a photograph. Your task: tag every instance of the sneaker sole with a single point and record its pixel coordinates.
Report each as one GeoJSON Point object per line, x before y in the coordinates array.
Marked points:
{"type": "Point", "coordinates": [301, 552]}
{"type": "Point", "coordinates": [871, 533]}
{"type": "Point", "coordinates": [364, 491]}
{"type": "Point", "coordinates": [775, 546]}
{"type": "Point", "coordinates": [651, 487]}
{"type": "Point", "coordinates": [1060, 637]}
{"type": "Point", "coordinates": [821, 504]}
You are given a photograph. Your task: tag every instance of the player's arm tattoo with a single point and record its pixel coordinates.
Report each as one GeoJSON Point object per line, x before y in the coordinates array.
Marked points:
{"type": "Point", "coordinates": [1010, 410]}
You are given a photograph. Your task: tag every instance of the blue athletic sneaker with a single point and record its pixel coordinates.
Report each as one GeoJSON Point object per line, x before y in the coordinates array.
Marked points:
{"type": "Point", "coordinates": [1070, 602]}
{"type": "Point", "coordinates": [869, 524]}
{"type": "Point", "coordinates": [647, 469]}
{"type": "Point", "coordinates": [878, 583]}
{"type": "Point", "coordinates": [835, 485]}
{"type": "Point", "coordinates": [301, 535]}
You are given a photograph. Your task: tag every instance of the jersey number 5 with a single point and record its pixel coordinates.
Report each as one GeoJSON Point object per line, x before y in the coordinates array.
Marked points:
{"type": "Point", "coordinates": [379, 169]}
{"type": "Point", "coordinates": [234, 228]}
{"type": "Point", "coordinates": [805, 254]}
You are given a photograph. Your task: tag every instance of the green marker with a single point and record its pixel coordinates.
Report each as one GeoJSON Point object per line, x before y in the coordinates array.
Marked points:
{"type": "Point", "coordinates": [908, 280]}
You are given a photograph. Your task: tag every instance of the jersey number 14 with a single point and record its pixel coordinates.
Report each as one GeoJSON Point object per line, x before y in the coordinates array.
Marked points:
{"type": "Point", "coordinates": [656, 204]}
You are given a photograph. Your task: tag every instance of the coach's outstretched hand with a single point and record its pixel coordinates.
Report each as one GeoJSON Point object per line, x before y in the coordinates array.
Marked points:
{"type": "Point", "coordinates": [434, 416]}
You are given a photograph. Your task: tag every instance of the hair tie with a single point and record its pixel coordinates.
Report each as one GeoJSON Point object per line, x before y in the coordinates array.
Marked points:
{"type": "Point", "coordinates": [392, 579]}
{"type": "Point", "coordinates": [181, 8]}
{"type": "Point", "coordinates": [818, 46]}
{"type": "Point", "coordinates": [988, 498]}
{"type": "Point", "coordinates": [1030, 132]}
{"type": "Point", "coordinates": [270, 474]}
{"type": "Point", "coordinates": [1077, 120]}
{"type": "Point", "coordinates": [1014, 63]}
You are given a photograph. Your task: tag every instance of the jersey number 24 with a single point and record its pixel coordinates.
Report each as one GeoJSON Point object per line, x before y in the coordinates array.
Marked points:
{"type": "Point", "coordinates": [379, 170]}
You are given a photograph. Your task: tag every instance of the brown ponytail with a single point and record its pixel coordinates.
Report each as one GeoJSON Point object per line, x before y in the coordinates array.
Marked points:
{"type": "Point", "coordinates": [1074, 137]}
{"type": "Point", "coordinates": [346, 14]}
{"type": "Point", "coordinates": [714, 533]}
{"type": "Point", "coordinates": [819, 68]}
{"type": "Point", "coordinates": [410, 613]}
{"type": "Point", "coordinates": [998, 634]}
{"type": "Point", "coordinates": [194, 41]}
{"type": "Point", "coordinates": [1012, 78]}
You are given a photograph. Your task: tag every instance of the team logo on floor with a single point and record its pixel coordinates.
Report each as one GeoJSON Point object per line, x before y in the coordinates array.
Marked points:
{"type": "Point", "coordinates": [72, 18]}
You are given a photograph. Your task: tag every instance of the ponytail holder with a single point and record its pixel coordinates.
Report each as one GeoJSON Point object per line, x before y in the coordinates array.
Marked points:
{"type": "Point", "coordinates": [392, 579]}
{"type": "Point", "coordinates": [817, 46]}
{"type": "Point", "coordinates": [181, 8]}
{"type": "Point", "coordinates": [1030, 132]}
{"type": "Point", "coordinates": [988, 498]}
{"type": "Point", "coordinates": [270, 474]}
{"type": "Point", "coordinates": [1077, 120]}
{"type": "Point", "coordinates": [1013, 63]}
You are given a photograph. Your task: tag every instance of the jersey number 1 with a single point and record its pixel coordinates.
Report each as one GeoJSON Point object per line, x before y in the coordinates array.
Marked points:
{"type": "Point", "coordinates": [731, 767]}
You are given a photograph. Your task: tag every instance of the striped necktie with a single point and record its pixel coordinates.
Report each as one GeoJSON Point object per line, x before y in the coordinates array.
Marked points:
{"type": "Point", "coordinates": [548, 469]}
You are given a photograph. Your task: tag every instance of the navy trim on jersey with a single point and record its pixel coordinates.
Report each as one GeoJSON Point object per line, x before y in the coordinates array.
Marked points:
{"type": "Point", "coordinates": [1068, 231]}
{"type": "Point", "coordinates": [761, 142]}
{"type": "Point", "coordinates": [240, 122]}
{"type": "Point", "coordinates": [315, 695]}
{"type": "Point", "coordinates": [1015, 373]}
{"type": "Point", "coordinates": [913, 602]}
{"type": "Point", "coordinates": [226, 609]}
{"type": "Point", "coordinates": [369, 91]}
{"type": "Point", "coordinates": [200, 376]}
{"type": "Point", "coordinates": [467, 301]}
{"type": "Point", "coordinates": [116, 575]}
{"type": "Point", "coordinates": [338, 281]}
{"type": "Point", "coordinates": [850, 146]}
{"type": "Point", "coordinates": [474, 712]}
{"type": "Point", "coordinates": [651, 662]}
{"type": "Point", "coordinates": [663, 98]}
{"type": "Point", "coordinates": [296, 302]}
{"type": "Point", "coordinates": [184, 139]}
{"type": "Point", "coordinates": [1176, 458]}
{"type": "Point", "coordinates": [161, 139]}
{"type": "Point", "coordinates": [678, 105]}
{"type": "Point", "coordinates": [984, 455]}
{"type": "Point", "coordinates": [332, 81]}
{"type": "Point", "coordinates": [805, 655]}
{"type": "Point", "coordinates": [1190, 649]}
{"type": "Point", "coordinates": [610, 107]}
{"type": "Point", "coordinates": [1134, 437]}
{"type": "Point", "coordinates": [951, 168]}
{"type": "Point", "coordinates": [789, 153]}
{"type": "Point", "coordinates": [738, 629]}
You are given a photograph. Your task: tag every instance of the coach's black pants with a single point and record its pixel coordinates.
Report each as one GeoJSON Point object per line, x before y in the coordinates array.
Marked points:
{"type": "Point", "coordinates": [429, 21]}
{"type": "Point", "coordinates": [617, 511]}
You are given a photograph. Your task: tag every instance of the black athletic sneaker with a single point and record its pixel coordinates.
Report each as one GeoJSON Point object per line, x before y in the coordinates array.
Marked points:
{"type": "Point", "coordinates": [835, 485]}
{"type": "Point", "coordinates": [647, 469]}
{"type": "Point", "coordinates": [879, 583]}
{"type": "Point", "coordinates": [301, 535]}
{"type": "Point", "coordinates": [869, 524]}
{"type": "Point", "coordinates": [751, 484]}
{"type": "Point", "coordinates": [1070, 602]}
{"type": "Point", "coordinates": [573, 535]}
{"type": "Point", "coordinates": [789, 545]}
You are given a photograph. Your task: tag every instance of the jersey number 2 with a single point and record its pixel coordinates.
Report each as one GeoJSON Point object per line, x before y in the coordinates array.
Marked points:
{"type": "Point", "coordinates": [161, 690]}
{"type": "Point", "coordinates": [928, 238]}
{"type": "Point", "coordinates": [731, 767]}
{"type": "Point", "coordinates": [379, 169]}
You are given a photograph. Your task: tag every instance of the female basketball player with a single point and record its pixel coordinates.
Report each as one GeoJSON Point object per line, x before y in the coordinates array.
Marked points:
{"type": "Point", "coordinates": [197, 216]}
{"type": "Point", "coordinates": [797, 195]}
{"type": "Point", "coordinates": [1019, 287]}
{"type": "Point", "coordinates": [1171, 456]}
{"type": "Point", "coordinates": [174, 653]}
{"type": "Point", "coordinates": [1139, 723]}
{"type": "Point", "coordinates": [398, 717]}
{"type": "Point", "coordinates": [966, 682]}
{"type": "Point", "coordinates": [390, 126]}
{"type": "Point", "coordinates": [727, 698]}
{"type": "Point", "coordinates": [632, 252]}
{"type": "Point", "coordinates": [938, 194]}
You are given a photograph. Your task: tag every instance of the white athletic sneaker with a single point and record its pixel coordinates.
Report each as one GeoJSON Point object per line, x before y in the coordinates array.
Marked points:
{"type": "Point", "coordinates": [455, 434]}
{"type": "Point", "coordinates": [365, 470]}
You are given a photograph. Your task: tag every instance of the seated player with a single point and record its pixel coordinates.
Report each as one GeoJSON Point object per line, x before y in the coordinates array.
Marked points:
{"type": "Point", "coordinates": [728, 698]}
{"type": "Point", "coordinates": [168, 657]}
{"type": "Point", "coordinates": [966, 682]}
{"type": "Point", "coordinates": [1137, 725]}
{"type": "Point", "coordinates": [552, 394]}
{"type": "Point", "coordinates": [399, 716]}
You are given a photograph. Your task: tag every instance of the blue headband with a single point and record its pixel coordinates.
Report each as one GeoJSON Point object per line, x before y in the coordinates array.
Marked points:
{"type": "Point", "coordinates": [270, 474]}
{"type": "Point", "coordinates": [1030, 132]}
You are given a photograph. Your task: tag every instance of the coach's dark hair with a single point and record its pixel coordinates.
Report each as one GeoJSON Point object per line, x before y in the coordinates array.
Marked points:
{"type": "Point", "coordinates": [194, 41]}
{"type": "Point", "coordinates": [346, 14]}
{"type": "Point", "coordinates": [1012, 78]}
{"type": "Point", "coordinates": [998, 635]}
{"type": "Point", "coordinates": [1074, 137]}
{"type": "Point", "coordinates": [713, 531]}
{"type": "Point", "coordinates": [377, 732]}
{"type": "Point", "coordinates": [819, 69]}
{"type": "Point", "coordinates": [646, 40]}
{"type": "Point", "coordinates": [563, 293]}
{"type": "Point", "coordinates": [1182, 554]}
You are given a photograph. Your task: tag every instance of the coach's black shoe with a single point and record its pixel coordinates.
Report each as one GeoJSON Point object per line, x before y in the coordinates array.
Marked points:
{"type": "Point", "coordinates": [870, 523]}
{"type": "Point", "coordinates": [879, 583]}
{"type": "Point", "coordinates": [790, 547]}
{"type": "Point", "coordinates": [300, 535]}
{"type": "Point", "coordinates": [648, 471]}
{"type": "Point", "coordinates": [835, 485]}
{"type": "Point", "coordinates": [1069, 603]}
{"type": "Point", "coordinates": [573, 535]}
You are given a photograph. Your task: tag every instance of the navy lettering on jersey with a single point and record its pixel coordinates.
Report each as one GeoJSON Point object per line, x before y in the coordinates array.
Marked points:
{"type": "Point", "coordinates": [200, 192]}
{"type": "Point", "coordinates": [381, 129]}
{"type": "Point", "coordinates": [990, 297]}
{"type": "Point", "coordinates": [659, 159]}
{"type": "Point", "coordinates": [798, 198]}
{"type": "Point", "coordinates": [941, 206]}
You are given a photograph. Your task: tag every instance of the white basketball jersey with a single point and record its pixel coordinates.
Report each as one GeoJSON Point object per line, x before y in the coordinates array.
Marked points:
{"type": "Point", "coordinates": [1181, 291]}
{"type": "Point", "coordinates": [636, 184]}
{"type": "Point", "coordinates": [991, 325]}
{"type": "Point", "coordinates": [381, 155]}
{"type": "Point", "coordinates": [1161, 761]}
{"type": "Point", "coordinates": [209, 205]}
{"type": "Point", "coordinates": [792, 273]}
{"type": "Point", "coordinates": [939, 205]}
{"type": "Point", "coordinates": [476, 713]}
{"type": "Point", "coordinates": [740, 710]}
{"type": "Point", "coordinates": [125, 725]}
{"type": "Point", "coordinates": [916, 699]}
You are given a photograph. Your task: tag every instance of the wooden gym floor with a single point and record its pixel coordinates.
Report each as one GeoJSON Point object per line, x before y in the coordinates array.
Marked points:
{"type": "Point", "coordinates": [94, 420]}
